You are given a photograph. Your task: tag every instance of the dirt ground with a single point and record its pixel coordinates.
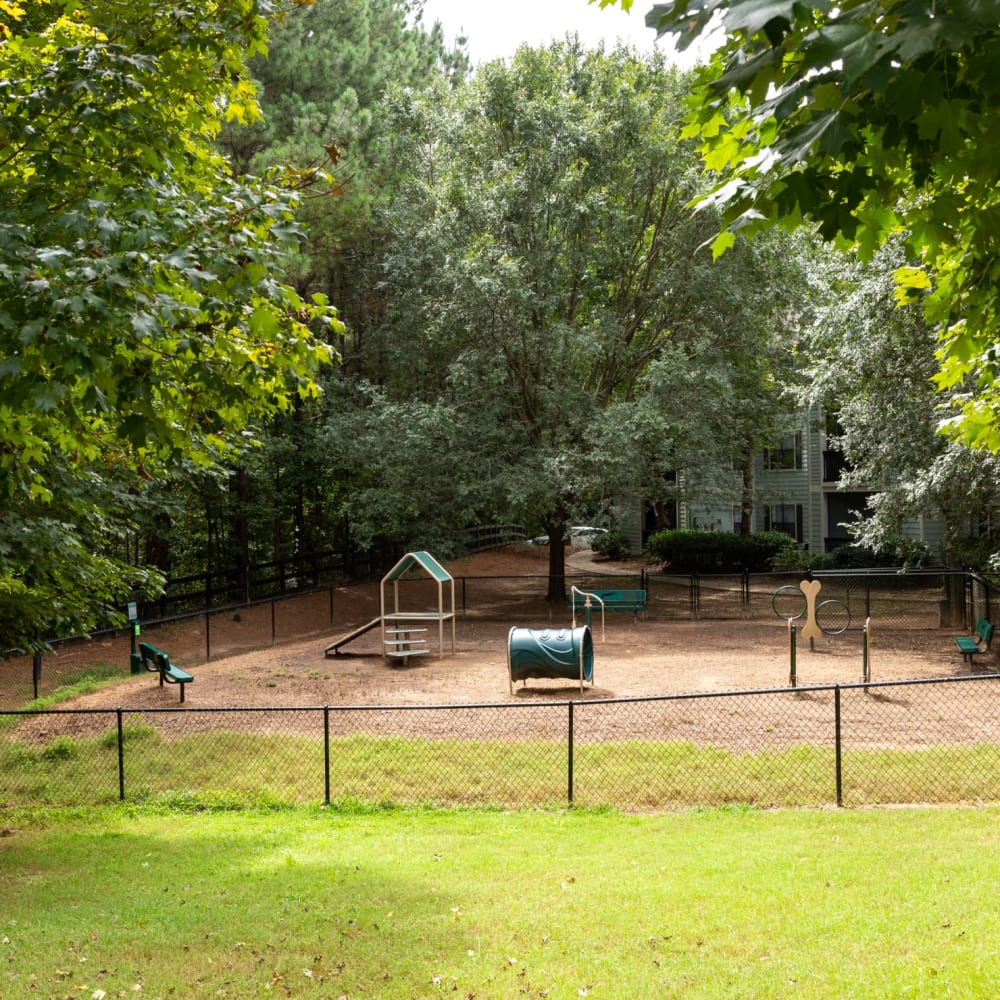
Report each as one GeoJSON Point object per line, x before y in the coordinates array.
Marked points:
{"type": "Point", "coordinates": [631, 659]}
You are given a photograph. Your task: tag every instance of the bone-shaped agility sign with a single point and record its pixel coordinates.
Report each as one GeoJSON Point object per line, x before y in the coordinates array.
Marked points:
{"type": "Point", "coordinates": [811, 629]}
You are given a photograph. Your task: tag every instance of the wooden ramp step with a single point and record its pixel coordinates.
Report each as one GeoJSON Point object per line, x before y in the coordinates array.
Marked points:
{"type": "Point", "coordinates": [334, 647]}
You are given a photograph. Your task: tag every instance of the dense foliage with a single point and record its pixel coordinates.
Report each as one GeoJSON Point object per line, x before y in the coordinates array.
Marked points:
{"type": "Point", "coordinates": [534, 327]}
{"type": "Point", "coordinates": [869, 118]}
{"type": "Point", "coordinates": [611, 544]}
{"type": "Point", "coordinates": [144, 325]}
{"type": "Point", "coordinates": [872, 363]}
{"type": "Point", "coordinates": [321, 86]}
{"type": "Point", "coordinates": [556, 335]}
{"type": "Point", "coordinates": [689, 551]}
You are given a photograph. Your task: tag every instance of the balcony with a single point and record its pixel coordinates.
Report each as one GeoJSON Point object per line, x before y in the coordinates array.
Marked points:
{"type": "Point", "coordinates": [834, 463]}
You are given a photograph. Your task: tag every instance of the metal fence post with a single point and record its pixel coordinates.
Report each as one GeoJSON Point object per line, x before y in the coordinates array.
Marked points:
{"type": "Point", "coordinates": [866, 651]}
{"type": "Point", "coordinates": [792, 676]}
{"type": "Point", "coordinates": [36, 668]}
{"type": "Point", "coordinates": [569, 768]}
{"type": "Point", "coordinates": [326, 753]}
{"type": "Point", "coordinates": [121, 757]}
{"type": "Point", "coordinates": [837, 746]}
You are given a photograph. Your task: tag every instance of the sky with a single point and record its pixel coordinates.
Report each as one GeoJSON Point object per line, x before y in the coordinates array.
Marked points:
{"type": "Point", "coordinates": [495, 28]}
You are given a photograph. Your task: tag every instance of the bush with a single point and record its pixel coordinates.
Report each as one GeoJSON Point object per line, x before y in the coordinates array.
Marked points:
{"type": "Point", "coordinates": [902, 553]}
{"type": "Point", "coordinates": [905, 554]}
{"type": "Point", "coordinates": [979, 554]}
{"type": "Point", "coordinates": [792, 559]}
{"type": "Point", "coordinates": [611, 545]}
{"type": "Point", "coordinates": [716, 551]}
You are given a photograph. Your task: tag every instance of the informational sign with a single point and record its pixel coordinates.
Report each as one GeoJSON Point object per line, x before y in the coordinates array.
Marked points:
{"type": "Point", "coordinates": [133, 611]}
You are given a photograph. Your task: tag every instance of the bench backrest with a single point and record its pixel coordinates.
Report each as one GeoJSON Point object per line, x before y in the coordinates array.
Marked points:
{"type": "Point", "coordinates": [622, 596]}
{"type": "Point", "coordinates": [150, 654]}
{"type": "Point", "coordinates": [985, 630]}
{"type": "Point", "coordinates": [613, 596]}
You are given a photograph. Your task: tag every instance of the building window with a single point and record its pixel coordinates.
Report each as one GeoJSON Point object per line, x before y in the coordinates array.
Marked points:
{"type": "Point", "coordinates": [787, 455]}
{"type": "Point", "coordinates": [784, 517]}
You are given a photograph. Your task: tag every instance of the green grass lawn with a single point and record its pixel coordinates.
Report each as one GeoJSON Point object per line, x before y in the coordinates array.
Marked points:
{"type": "Point", "coordinates": [729, 903]}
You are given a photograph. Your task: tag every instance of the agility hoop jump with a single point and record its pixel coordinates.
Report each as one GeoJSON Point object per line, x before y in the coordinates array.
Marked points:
{"type": "Point", "coordinates": [795, 602]}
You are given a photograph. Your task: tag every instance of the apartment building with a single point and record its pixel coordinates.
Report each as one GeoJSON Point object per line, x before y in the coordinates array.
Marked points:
{"type": "Point", "coordinates": [795, 490]}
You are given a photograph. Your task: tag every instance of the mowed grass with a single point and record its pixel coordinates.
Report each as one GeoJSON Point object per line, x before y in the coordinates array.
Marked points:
{"type": "Point", "coordinates": [732, 903]}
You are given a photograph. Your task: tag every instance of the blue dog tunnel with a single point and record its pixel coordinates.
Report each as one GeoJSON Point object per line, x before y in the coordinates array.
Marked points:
{"type": "Point", "coordinates": [550, 652]}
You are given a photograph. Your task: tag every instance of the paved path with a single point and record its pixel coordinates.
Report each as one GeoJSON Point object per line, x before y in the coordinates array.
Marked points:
{"type": "Point", "coordinates": [588, 561]}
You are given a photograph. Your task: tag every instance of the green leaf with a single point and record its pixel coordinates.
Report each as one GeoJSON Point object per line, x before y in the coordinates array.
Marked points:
{"type": "Point", "coordinates": [723, 242]}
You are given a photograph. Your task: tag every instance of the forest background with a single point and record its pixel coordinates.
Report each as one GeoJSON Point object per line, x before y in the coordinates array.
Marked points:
{"type": "Point", "coordinates": [287, 280]}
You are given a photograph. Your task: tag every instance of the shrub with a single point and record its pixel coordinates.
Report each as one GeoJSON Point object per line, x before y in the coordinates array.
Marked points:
{"type": "Point", "coordinates": [611, 545]}
{"type": "Point", "coordinates": [901, 552]}
{"type": "Point", "coordinates": [716, 551]}
{"type": "Point", "coordinates": [794, 558]}
{"type": "Point", "coordinates": [977, 553]}
{"type": "Point", "coordinates": [904, 554]}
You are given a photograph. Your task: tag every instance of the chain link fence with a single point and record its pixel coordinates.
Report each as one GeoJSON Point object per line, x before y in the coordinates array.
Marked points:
{"type": "Point", "coordinates": [899, 602]}
{"type": "Point", "coordinates": [901, 742]}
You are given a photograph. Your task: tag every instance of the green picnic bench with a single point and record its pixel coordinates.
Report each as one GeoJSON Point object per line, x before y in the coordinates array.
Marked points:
{"type": "Point", "coordinates": [158, 662]}
{"type": "Point", "coordinates": [978, 644]}
{"type": "Point", "coordinates": [612, 600]}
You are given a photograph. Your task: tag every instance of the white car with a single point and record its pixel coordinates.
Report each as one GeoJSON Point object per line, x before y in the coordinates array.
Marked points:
{"type": "Point", "coordinates": [579, 535]}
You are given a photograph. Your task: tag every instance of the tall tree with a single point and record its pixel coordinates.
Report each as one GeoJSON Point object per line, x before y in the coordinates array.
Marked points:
{"type": "Point", "coordinates": [321, 85]}
{"type": "Point", "coordinates": [142, 325]}
{"type": "Point", "coordinates": [869, 118]}
{"type": "Point", "coordinates": [328, 66]}
{"type": "Point", "coordinates": [547, 285]}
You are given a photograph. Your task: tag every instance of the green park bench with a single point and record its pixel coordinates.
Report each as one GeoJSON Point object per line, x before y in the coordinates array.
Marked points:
{"type": "Point", "coordinates": [612, 600]}
{"type": "Point", "coordinates": [978, 644]}
{"type": "Point", "coordinates": [158, 662]}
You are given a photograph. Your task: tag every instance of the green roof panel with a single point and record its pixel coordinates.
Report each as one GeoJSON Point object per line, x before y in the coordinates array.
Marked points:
{"type": "Point", "coordinates": [425, 561]}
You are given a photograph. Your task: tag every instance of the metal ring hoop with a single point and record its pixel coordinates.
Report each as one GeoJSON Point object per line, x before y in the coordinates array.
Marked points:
{"type": "Point", "coordinates": [847, 617]}
{"type": "Point", "coordinates": [791, 588]}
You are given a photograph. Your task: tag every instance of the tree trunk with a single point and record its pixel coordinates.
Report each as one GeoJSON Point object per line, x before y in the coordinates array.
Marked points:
{"type": "Point", "coordinates": [158, 554]}
{"type": "Point", "coordinates": [746, 494]}
{"type": "Point", "coordinates": [556, 530]}
{"type": "Point", "coordinates": [158, 544]}
{"type": "Point", "coordinates": [241, 529]}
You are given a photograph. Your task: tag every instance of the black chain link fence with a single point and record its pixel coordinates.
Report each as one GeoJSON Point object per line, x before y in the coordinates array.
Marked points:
{"type": "Point", "coordinates": [901, 742]}
{"type": "Point", "coordinates": [899, 602]}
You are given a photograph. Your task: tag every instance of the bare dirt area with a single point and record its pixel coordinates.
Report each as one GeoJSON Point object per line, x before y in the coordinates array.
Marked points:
{"type": "Point", "coordinates": [632, 659]}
